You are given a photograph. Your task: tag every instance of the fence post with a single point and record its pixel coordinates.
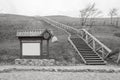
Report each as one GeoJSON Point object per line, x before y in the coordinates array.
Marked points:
{"type": "Point", "coordinates": [103, 52]}
{"type": "Point", "coordinates": [87, 38]}
{"type": "Point", "coordinates": [93, 44]}
{"type": "Point", "coordinates": [84, 34]}
{"type": "Point", "coordinates": [118, 58]}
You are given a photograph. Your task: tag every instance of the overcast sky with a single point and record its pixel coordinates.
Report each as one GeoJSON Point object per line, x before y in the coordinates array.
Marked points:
{"type": "Point", "coordinates": [54, 7]}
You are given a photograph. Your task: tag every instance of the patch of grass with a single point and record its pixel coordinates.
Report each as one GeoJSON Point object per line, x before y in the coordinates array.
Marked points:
{"type": "Point", "coordinates": [117, 34]}
{"type": "Point", "coordinates": [101, 29]}
{"type": "Point", "coordinates": [64, 53]}
{"type": "Point", "coordinates": [61, 70]}
{"type": "Point", "coordinates": [113, 56]}
{"type": "Point", "coordinates": [76, 21]}
{"type": "Point", "coordinates": [9, 44]}
{"type": "Point", "coordinates": [8, 55]}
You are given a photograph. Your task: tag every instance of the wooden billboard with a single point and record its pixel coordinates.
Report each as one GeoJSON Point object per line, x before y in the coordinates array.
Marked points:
{"type": "Point", "coordinates": [31, 43]}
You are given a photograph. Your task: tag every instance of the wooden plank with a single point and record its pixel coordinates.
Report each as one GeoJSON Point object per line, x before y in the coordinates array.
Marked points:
{"type": "Point", "coordinates": [48, 48]}
{"type": "Point", "coordinates": [98, 41]}
{"type": "Point", "coordinates": [20, 49]}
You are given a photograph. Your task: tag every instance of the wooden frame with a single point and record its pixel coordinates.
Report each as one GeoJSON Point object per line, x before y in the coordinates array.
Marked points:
{"type": "Point", "coordinates": [31, 56]}
{"type": "Point", "coordinates": [85, 35]}
{"type": "Point", "coordinates": [35, 39]}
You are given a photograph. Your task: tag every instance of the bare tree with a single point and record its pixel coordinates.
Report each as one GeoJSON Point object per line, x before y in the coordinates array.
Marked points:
{"type": "Point", "coordinates": [112, 13]}
{"type": "Point", "coordinates": [89, 12]}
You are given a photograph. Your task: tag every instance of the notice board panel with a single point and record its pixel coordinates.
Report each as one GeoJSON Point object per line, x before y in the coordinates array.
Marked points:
{"type": "Point", "coordinates": [31, 49]}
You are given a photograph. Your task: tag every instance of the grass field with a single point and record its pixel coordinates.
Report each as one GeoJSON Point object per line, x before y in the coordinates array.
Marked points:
{"type": "Point", "coordinates": [61, 50]}
{"type": "Point", "coordinates": [101, 29]}
{"type": "Point", "coordinates": [75, 21]}
{"type": "Point", "coordinates": [109, 35]}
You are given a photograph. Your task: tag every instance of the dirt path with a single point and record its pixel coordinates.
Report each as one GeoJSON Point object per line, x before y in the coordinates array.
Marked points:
{"type": "Point", "coordinates": [81, 67]}
{"type": "Point", "coordinates": [17, 72]}
{"type": "Point", "coordinates": [35, 75]}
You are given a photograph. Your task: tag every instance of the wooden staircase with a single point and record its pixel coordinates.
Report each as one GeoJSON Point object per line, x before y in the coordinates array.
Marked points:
{"type": "Point", "coordinates": [90, 57]}
{"type": "Point", "coordinates": [90, 49]}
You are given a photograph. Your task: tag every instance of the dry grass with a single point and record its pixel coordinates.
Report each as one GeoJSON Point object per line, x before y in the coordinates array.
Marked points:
{"type": "Point", "coordinates": [62, 51]}
{"type": "Point", "coordinates": [108, 34]}
{"type": "Point", "coordinates": [73, 21]}
{"type": "Point", "coordinates": [102, 29]}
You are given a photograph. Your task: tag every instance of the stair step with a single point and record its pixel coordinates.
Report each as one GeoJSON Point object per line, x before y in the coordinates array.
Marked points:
{"type": "Point", "coordinates": [95, 63]}
{"type": "Point", "coordinates": [101, 61]}
{"type": "Point", "coordinates": [98, 59]}
{"type": "Point", "coordinates": [88, 51]}
{"type": "Point", "coordinates": [77, 40]}
{"type": "Point", "coordinates": [88, 54]}
{"type": "Point", "coordinates": [84, 49]}
{"type": "Point", "coordinates": [80, 42]}
{"type": "Point", "coordinates": [83, 45]}
{"type": "Point", "coordinates": [94, 59]}
{"type": "Point", "coordinates": [91, 58]}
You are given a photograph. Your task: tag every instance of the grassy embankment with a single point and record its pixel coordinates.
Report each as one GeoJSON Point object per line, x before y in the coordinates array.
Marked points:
{"type": "Point", "coordinates": [102, 29]}
{"type": "Point", "coordinates": [62, 51]}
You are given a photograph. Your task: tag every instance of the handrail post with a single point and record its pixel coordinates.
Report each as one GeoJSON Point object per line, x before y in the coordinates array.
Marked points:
{"type": "Point", "coordinates": [87, 38]}
{"type": "Point", "coordinates": [85, 35]}
{"type": "Point", "coordinates": [81, 33]}
{"type": "Point", "coordinates": [102, 52]}
{"type": "Point", "coordinates": [101, 44]}
{"type": "Point", "coordinates": [93, 44]}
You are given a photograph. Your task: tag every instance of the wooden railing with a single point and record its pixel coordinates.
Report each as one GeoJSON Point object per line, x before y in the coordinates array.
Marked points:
{"type": "Point", "coordinates": [93, 42]}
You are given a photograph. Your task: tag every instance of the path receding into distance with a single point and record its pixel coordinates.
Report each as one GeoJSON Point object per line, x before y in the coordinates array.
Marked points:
{"type": "Point", "coordinates": [20, 72]}
{"type": "Point", "coordinates": [87, 54]}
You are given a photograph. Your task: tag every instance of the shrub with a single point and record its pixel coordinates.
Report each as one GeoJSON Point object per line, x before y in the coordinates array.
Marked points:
{"type": "Point", "coordinates": [114, 54]}
{"type": "Point", "coordinates": [8, 55]}
{"type": "Point", "coordinates": [117, 34]}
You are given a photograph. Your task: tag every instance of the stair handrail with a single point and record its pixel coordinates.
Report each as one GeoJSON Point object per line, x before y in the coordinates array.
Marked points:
{"type": "Point", "coordinates": [94, 39]}
{"type": "Point", "coordinates": [102, 46]}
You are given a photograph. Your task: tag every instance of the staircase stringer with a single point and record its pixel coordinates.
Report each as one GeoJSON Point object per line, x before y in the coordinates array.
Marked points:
{"type": "Point", "coordinates": [92, 48]}
{"type": "Point", "coordinates": [76, 49]}
{"type": "Point", "coordinates": [95, 39]}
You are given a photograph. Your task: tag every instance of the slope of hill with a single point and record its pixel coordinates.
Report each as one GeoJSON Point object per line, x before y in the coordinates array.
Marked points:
{"type": "Point", "coordinates": [71, 21]}
{"type": "Point", "coordinates": [75, 21]}
{"type": "Point", "coordinates": [101, 29]}
{"type": "Point", "coordinates": [62, 51]}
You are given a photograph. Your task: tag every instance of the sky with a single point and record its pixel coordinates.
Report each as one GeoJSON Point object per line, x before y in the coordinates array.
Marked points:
{"type": "Point", "coordinates": [54, 7]}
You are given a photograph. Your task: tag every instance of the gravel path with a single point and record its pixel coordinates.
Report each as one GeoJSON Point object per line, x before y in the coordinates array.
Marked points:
{"type": "Point", "coordinates": [59, 76]}
{"type": "Point", "coordinates": [96, 67]}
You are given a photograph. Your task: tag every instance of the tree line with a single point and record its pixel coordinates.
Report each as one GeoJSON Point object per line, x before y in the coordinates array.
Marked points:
{"type": "Point", "coordinates": [90, 12]}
